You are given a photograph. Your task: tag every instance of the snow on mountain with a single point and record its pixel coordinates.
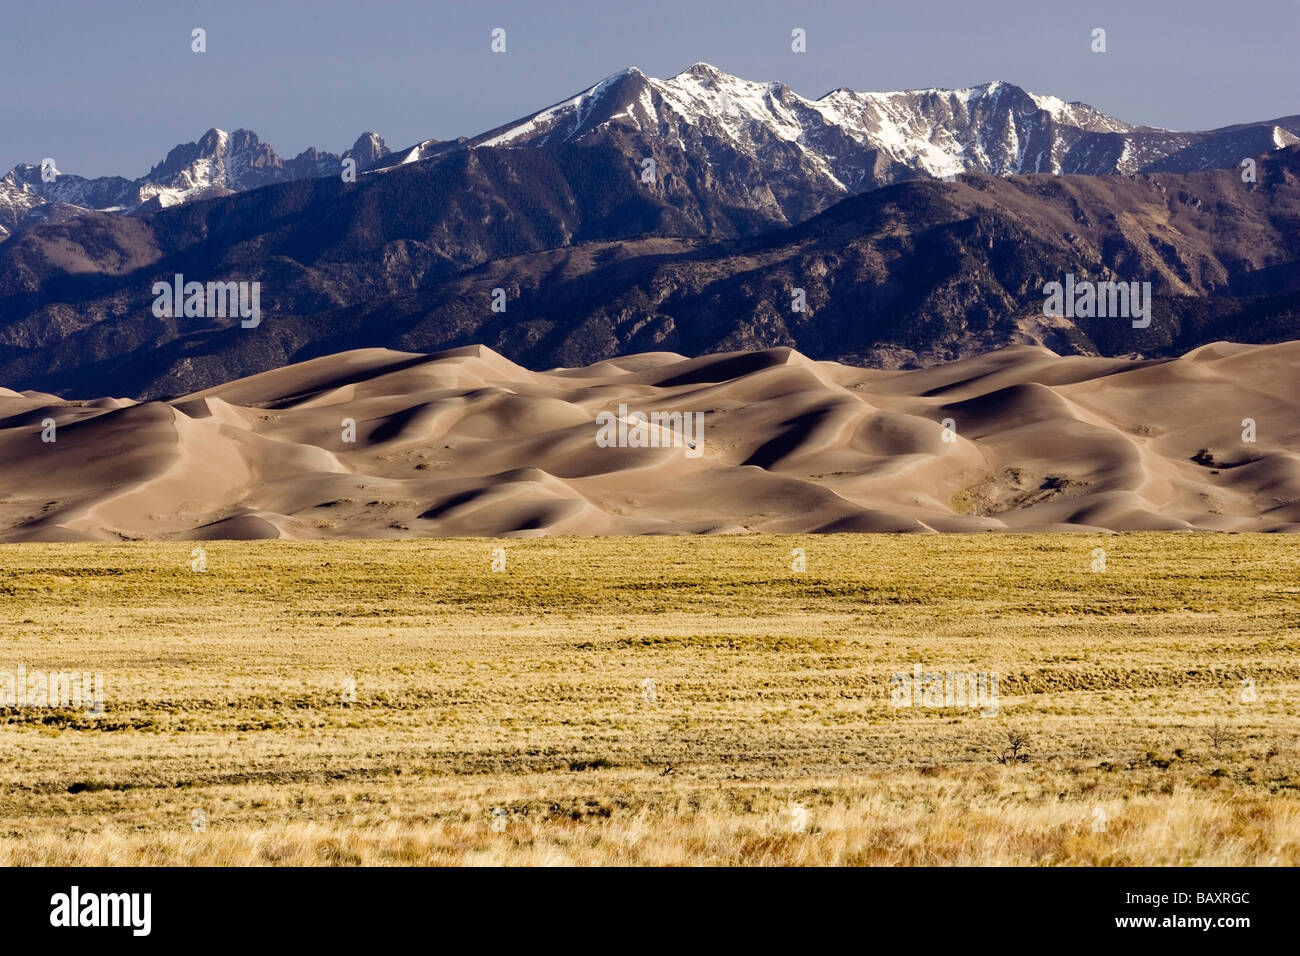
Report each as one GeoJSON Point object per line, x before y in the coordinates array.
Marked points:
{"type": "Point", "coordinates": [757, 146]}
{"type": "Point", "coordinates": [220, 163]}
{"type": "Point", "coordinates": [855, 140]}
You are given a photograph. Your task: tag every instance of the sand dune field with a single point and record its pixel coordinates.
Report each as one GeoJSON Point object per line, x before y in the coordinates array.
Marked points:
{"type": "Point", "coordinates": [383, 444]}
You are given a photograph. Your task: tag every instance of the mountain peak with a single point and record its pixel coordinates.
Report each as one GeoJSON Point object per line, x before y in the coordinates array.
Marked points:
{"type": "Point", "coordinates": [848, 140]}
{"type": "Point", "coordinates": [702, 69]}
{"type": "Point", "coordinates": [615, 77]}
{"type": "Point", "coordinates": [212, 142]}
{"type": "Point", "coordinates": [217, 163]}
{"type": "Point", "coordinates": [368, 148]}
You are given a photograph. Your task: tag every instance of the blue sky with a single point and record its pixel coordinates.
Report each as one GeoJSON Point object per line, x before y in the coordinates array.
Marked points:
{"type": "Point", "coordinates": [108, 87]}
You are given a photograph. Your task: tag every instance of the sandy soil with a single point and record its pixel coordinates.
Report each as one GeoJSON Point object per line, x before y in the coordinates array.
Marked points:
{"type": "Point", "coordinates": [467, 443]}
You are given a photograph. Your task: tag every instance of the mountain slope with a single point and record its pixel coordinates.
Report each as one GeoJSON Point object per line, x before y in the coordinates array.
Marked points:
{"type": "Point", "coordinates": [912, 274]}
{"type": "Point", "coordinates": [220, 163]}
{"type": "Point", "coordinates": [850, 141]}
{"type": "Point", "coordinates": [758, 150]}
{"type": "Point", "coordinates": [700, 255]}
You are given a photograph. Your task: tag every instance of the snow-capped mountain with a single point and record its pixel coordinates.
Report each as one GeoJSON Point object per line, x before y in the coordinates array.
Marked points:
{"type": "Point", "coordinates": [218, 164]}
{"type": "Point", "coordinates": [732, 156]}
{"type": "Point", "coordinates": [853, 140]}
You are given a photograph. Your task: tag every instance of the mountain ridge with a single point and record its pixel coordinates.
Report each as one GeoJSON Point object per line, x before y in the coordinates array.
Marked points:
{"type": "Point", "coordinates": [890, 123]}
{"type": "Point", "coordinates": [912, 274]}
{"type": "Point", "coordinates": [613, 228]}
{"type": "Point", "coordinates": [218, 163]}
{"type": "Point", "coordinates": [843, 142]}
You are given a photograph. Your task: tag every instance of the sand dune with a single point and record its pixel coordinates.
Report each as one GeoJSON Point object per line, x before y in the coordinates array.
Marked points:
{"type": "Point", "coordinates": [377, 443]}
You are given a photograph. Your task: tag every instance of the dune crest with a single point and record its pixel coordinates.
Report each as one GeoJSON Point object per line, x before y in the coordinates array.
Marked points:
{"type": "Point", "coordinates": [377, 443]}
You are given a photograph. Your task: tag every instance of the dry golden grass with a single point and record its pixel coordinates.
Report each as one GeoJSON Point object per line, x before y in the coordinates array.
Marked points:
{"type": "Point", "coordinates": [523, 692]}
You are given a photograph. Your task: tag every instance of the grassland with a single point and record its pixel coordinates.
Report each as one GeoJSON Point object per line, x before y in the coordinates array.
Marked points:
{"type": "Point", "coordinates": [503, 717]}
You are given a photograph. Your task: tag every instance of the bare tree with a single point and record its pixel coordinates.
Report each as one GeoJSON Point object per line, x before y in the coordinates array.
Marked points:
{"type": "Point", "coordinates": [1220, 736]}
{"type": "Point", "coordinates": [1016, 741]}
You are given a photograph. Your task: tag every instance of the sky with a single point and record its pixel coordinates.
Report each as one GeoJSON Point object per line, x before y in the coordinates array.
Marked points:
{"type": "Point", "coordinates": [107, 87]}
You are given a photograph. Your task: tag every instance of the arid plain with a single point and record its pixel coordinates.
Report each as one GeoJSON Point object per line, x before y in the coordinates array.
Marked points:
{"type": "Point", "coordinates": [657, 700]}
